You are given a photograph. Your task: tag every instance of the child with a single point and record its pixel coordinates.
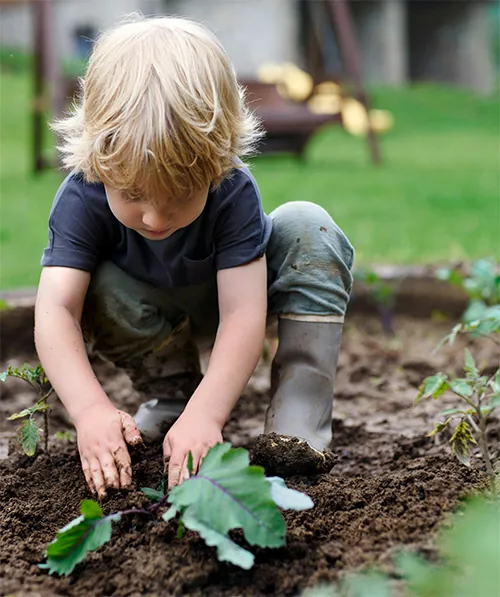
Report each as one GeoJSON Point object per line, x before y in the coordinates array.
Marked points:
{"type": "Point", "coordinates": [158, 235]}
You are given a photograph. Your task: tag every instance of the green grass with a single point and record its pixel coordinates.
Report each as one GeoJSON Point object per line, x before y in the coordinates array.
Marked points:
{"type": "Point", "coordinates": [435, 197]}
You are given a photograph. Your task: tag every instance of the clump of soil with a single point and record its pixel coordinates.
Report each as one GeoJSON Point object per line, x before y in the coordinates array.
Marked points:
{"type": "Point", "coordinates": [287, 456]}
{"type": "Point", "coordinates": [388, 486]}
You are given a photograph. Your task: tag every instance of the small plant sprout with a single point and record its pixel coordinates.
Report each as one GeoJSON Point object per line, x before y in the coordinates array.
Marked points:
{"type": "Point", "coordinates": [382, 294]}
{"type": "Point", "coordinates": [480, 395]}
{"type": "Point", "coordinates": [482, 285]}
{"type": "Point", "coordinates": [486, 326]}
{"type": "Point", "coordinates": [226, 493]}
{"type": "Point", "coordinates": [29, 432]}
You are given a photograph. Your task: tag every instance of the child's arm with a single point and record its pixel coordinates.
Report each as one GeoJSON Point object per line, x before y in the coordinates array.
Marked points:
{"type": "Point", "coordinates": [238, 347]}
{"type": "Point", "coordinates": [101, 429]}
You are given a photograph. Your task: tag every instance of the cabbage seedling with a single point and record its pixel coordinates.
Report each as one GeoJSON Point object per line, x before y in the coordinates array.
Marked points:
{"type": "Point", "coordinates": [226, 493]}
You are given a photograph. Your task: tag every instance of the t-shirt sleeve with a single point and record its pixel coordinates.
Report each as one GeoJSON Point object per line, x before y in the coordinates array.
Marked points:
{"type": "Point", "coordinates": [76, 239]}
{"type": "Point", "coordinates": [242, 229]}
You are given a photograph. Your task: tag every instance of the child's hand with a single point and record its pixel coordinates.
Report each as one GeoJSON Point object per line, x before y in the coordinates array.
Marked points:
{"type": "Point", "coordinates": [190, 433]}
{"type": "Point", "coordinates": [102, 432]}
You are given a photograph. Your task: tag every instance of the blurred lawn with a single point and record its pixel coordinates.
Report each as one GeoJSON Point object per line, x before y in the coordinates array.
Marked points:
{"type": "Point", "coordinates": [435, 198]}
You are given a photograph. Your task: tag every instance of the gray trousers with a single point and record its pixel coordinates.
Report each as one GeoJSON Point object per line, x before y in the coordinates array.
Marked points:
{"type": "Point", "coordinates": [309, 261]}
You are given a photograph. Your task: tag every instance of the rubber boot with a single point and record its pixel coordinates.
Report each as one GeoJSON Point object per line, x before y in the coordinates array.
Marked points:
{"type": "Point", "coordinates": [298, 427]}
{"type": "Point", "coordinates": [165, 378]}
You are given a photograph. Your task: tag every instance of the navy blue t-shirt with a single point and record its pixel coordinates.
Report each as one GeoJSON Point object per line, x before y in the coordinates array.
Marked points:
{"type": "Point", "coordinates": [232, 230]}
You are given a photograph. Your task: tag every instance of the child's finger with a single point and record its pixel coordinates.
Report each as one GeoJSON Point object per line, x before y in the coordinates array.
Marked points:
{"type": "Point", "coordinates": [129, 430]}
{"type": "Point", "coordinates": [184, 475]}
{"type": "Point", "coordinates": [205, 452]}
{"type": "Point", "coordinates": [167, 452]}
{"type": "Point", "coordinates": [123, 463]}
{"type": "Point", "coordinates": [110, 471]}
{"type": "Point", "coordinates": [98, 477]}
{"type": "Point", "coordinates": [175, 469]}
{"type": "Point", "coordinates": [88, 475]}
{"type": "Point", "coordinates": [197, 458]}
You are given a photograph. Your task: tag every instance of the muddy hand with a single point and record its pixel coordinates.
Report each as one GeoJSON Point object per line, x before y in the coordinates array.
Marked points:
{"type": "Point", "coordinates": [133, 438]}
{"type": "Point", "coordinates": [190, 433]}
{"type": "Point", "coordinates": [103, 433]}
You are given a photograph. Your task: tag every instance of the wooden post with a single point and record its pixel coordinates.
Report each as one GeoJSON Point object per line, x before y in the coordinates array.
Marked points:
{"type": "Point", "coordinates": [343, 27]}
{"type": "Point", "coordinates": [39, 102]}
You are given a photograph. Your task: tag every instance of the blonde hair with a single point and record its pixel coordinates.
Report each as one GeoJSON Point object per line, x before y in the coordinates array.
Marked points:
{"type": "Point", "coordinates": [160, 111]}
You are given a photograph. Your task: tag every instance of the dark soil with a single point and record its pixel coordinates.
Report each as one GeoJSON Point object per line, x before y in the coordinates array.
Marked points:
{"type": "Point", "coordinates": [389, 485]}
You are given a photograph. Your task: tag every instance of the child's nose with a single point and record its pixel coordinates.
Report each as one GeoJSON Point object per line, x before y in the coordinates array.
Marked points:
{"type": "Point", "coordinates": [154, 220]}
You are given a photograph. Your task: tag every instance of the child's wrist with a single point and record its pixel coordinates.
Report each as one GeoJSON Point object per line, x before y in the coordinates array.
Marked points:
{"type": "Point", "coordinates": [97, 406]}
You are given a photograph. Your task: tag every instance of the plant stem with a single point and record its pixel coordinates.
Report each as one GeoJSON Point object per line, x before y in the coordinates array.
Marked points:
{"type": "Point", "coordinates": [473, 424]}
{"type": "Point", "coordinates": [386, 319]}
{"type": "Point", "coordinates": [483, 446]}
{"type": "Point", "coordinates": [46, 432]}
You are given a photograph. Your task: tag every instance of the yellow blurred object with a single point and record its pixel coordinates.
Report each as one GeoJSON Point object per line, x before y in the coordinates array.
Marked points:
{"type": "Point", "coordinates": [270, 73]}
{"type": "Point", "coordinates": [325, 104]}
{"type": "Point", "coordinates": [295, 84]}
{"type": "Point", "coordinates": [355, 118]}
{"type": "Point", "coordinates": [381, 120]}
{"type": "Point", "coordinates": [328, 88]}
{"type": "Point", "coordinates": [292, 82]}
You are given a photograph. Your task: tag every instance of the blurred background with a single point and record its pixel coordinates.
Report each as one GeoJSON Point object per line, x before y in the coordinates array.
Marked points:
{"type": "Point", "coordinates": [385, 112]}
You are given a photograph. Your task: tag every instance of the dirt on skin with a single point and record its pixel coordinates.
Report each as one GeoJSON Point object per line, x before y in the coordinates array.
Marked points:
{"type": "Point", "coordinates": [389, 485]}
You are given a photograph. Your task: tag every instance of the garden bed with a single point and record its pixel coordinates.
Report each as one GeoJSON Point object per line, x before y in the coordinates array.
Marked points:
{"type": "Point", "coordinates": [390, 484]}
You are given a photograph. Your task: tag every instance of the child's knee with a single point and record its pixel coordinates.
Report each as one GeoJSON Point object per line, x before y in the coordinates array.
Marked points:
{"type": "Point", "coordinates": [313, 232]}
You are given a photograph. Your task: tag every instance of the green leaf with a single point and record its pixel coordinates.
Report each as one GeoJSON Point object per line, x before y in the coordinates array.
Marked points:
{"type": "Point", "coordinates": [227, 493]}
{"type": "Point", "coordinates": [63, 435]}
{"type": "Point", "coordinates": [495, 401]}
{"type": "Point", "coordinates": [419, 574]}
{"type": "Point", "coordinates": [29, 436]}
{"type": "Point", "coordinates": [26, 412]}
{"type": "Point", "coordinates": [451, 337]}
{"type": "Point", "coordinates": [471, 546]}
{"type": "Point", "coordinates": [40, 406]}
{"type": "Point", "coordinates": [451, 411]}
{"type": "Point", "coordinates": [470, 366]}
{"type": "Point", "coordinates": [35, 374]}
{"type": "Point", "coordinates": [152, 494]}
{"type": "Point", "coordinates": [227, 550]}
{"type": "Point", "coordinates": [371, 584]}
{"type": "Point", "coordinates": [83, 534]}
{"type": "Point", "coordinates": [476, 310]}
{"type": "Point", "coordinates": [170, 513]}
{"type": "Point", "coordinates": [460, 440]}
{"type": "Point", "coordinates": [190, 463]}
{"type": "Point", "coordinates": [461, 387]}
{"type": "Point", "coordinates": [438, 427]}
{"type": "Point", "coordinates": [450, 275]}
{"type": "Point", "coordinates": [496, 383]}
{"type": "Point", "coordinates": [286, 498]}
{"type": "Point", "coordinates": [434, 386]}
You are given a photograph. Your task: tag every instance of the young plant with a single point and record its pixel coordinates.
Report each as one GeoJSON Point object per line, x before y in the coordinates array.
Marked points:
{"type": "Point", "coordinates": [480, 395]}
{"type": "Point", "coordinates": [29, 432]}
{"type": "Point", "coordinates": [382, 294]}
{"type": "Point", "coordinates": [486, 326]}
{"type": "Point", "coordinates": [226, 493]}
{"type": "Point", "coordinates": [482, 285]}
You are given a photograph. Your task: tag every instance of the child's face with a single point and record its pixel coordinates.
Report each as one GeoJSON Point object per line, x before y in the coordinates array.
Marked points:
{"type": "Point", "coordinates": [155, 222]}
